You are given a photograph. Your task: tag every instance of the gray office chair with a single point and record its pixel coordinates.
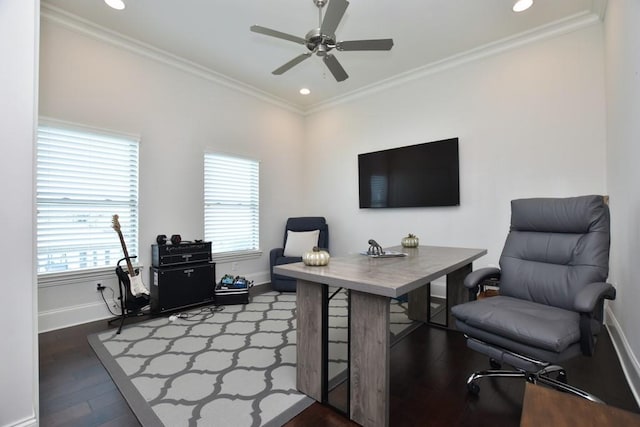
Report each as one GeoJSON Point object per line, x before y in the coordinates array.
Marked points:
{"type": "Point", "coordinates": [552, 286]}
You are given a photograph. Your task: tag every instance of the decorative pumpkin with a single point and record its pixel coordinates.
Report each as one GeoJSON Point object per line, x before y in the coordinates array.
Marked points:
{"type": "Point", "coordinates": [316, 257]}
{"type": "Point", "coordinates": [411, 241]}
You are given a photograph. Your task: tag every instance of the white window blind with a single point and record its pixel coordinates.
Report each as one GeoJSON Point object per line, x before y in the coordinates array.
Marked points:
{"type": "Point", "coordinates": [83, 179]}
{"type": "Point", "coordinates": [231, 203]}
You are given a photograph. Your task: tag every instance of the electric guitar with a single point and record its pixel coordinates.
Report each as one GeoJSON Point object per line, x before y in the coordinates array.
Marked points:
{"type": "Point", "coordinates": [135, 280]}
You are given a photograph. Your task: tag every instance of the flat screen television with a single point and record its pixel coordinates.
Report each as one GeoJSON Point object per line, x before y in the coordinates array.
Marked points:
{"type": "Point", "coordinates": [421, 175]}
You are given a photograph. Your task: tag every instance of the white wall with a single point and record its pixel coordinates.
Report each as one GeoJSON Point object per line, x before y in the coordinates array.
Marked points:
{"type": "Point", "coordinates": [622, 44]}
{"type": "Point", "coordinates": [178, 116]}
{"type": "Point", "coordinates": [531, 122]}
{"type": "Point", "coordinates": [18, 107]}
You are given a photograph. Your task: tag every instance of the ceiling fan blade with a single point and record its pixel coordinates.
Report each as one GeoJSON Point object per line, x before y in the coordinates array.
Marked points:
{"type": "Point", "coordinates": [336, 69]}
{"type": "Point", "coordinates": [333, 16]}
{"type": "Point", "coordinates": [295, 61]}
{"type": "Point", "coordinates": [277, 34]}
{"type": "Point", "coordinates": [379, 44]}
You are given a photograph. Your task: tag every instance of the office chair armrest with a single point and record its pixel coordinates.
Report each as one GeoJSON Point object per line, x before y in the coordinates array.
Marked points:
{"type": "Point", "coordinates": [276, 253]}
{"type": "Point", "coordinates": [588, 298]}
{"type": "Point", "coordinates": [589, 303]}
{"type": "Point", "coordinates": [475, 278]}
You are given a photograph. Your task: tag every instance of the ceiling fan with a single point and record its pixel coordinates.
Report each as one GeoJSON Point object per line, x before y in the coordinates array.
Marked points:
{"type": "Point", "coordinates": [322, 40]}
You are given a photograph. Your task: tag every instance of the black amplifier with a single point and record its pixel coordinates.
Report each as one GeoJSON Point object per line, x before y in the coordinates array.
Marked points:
{"type": "Point", "coordinates": [182, 253]}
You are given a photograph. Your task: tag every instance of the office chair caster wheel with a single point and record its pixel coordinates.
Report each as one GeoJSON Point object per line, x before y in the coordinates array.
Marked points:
{"type": "Point", "coordinates": [473, 388]}
{"type": "Point", "coordinates": [495, 364]}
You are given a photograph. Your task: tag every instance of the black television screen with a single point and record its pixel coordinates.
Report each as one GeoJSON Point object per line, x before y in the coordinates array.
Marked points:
{"type": "Point", "coordinates": [413, 176]}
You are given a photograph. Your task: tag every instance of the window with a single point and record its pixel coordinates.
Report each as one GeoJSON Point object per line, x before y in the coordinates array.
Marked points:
{"type": "Point", "coordinates": [83, 179]}
{"type": "Point", "coordinates": [231, 204]}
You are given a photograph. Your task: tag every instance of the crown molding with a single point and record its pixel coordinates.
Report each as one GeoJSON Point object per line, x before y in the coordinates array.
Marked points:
{"type": "Point", "coordinates": [80, 25]}
{"type": "Point", "coordinates": [554, 29]}
{"type": "Point", "coordinates": [599, 7]}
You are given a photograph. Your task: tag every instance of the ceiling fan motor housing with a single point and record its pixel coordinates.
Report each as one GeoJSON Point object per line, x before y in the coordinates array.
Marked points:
{"type": "Point", "coordinates": [319, 43]}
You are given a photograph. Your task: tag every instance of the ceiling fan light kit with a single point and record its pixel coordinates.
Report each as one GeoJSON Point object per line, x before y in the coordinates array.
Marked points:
{"type": "Point", "coordinates": [322, 40]}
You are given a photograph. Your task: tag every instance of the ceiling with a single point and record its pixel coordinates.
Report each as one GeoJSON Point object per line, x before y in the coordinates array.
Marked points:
{"type": "Point", "coordinates": [214, 34]}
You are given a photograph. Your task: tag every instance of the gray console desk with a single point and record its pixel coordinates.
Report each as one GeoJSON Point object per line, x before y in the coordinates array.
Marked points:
{"type": "Point", "coordinates": [372, 282]}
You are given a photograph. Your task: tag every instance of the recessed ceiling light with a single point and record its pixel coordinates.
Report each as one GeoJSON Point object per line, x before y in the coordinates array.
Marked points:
{"type": "Point", "coordinates": [116, 4]}
{"type": "Point", "coordinates": [522, 5]}
{"type": "Point", "coordinates": [304, 91]}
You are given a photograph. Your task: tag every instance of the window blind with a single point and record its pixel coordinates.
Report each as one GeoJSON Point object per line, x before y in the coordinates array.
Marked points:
{"type": "Point", "coordinates": [83, 179]}
{"type": "Point", "coordinates": [231, 203]}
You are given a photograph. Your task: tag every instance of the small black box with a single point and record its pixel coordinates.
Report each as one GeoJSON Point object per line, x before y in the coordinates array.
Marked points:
{"type": "Point", "coordinates": [230, 296]}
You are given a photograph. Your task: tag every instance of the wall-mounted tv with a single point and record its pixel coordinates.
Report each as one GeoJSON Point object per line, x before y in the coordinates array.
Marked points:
{"type": "Point", "coordinates": [413, 176]}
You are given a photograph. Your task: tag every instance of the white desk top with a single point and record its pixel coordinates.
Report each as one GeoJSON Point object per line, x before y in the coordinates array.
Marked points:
{"type": "Point", "coordinates": [389, 277]}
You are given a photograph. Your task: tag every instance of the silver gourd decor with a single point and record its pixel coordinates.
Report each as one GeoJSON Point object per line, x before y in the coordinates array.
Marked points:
{"type": "Point", "coordinates": [316, 257]}
{"type": "Point", "coordinates": [410, 241]}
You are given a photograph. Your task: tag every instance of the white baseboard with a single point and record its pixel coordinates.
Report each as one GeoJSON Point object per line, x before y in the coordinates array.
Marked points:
{"type": "Point", "coordinates": [439, 288]}
{"type": "Point", "coordinates": [65, 317]}
{"type": "Point", "coordinates": [27, 422]}
{"type": "Point", "coordinates": [260, 278]}
{"type": "Point", "coordinates": [71, 316]}
{"type": "Point", "coordinates": [628, 360]}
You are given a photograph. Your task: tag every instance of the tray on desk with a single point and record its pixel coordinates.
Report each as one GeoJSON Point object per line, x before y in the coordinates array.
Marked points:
{"type": "Point", "coordinates": [386, 254]}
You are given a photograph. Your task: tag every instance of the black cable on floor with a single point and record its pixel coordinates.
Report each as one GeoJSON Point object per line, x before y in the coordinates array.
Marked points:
{"type": "Point", "coordinates": [187, 316]}
{"type": "Point", "coordinates": [105, 300]}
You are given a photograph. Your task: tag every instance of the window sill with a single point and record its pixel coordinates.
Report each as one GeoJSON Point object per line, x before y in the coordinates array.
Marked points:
{"type": "Point", "coordinates": [79, 276]}
{"type": "Point", "coordinates": [235, 256]}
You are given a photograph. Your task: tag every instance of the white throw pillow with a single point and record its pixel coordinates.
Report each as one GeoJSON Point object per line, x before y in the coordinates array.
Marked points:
{"type": "Point", "coordinates": [299, 242]}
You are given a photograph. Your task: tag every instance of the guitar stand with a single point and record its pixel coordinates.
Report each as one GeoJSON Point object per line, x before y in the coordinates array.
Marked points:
{"type": "Point", "coordinates": [130, 306]}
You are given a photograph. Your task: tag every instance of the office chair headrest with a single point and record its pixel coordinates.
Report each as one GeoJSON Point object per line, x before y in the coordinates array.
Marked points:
{"type": "Point", "coordinates": [578, 215]}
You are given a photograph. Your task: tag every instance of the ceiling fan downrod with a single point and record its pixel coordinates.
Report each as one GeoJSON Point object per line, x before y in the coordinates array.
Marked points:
{"type": "Point", "coordinates": [317, 42]}
{"type": "Point", "coordinates": [320, 3]}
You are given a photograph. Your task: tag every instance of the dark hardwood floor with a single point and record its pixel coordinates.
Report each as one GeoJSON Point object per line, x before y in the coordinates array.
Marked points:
{"type": "Point", "coordinates": [428, 372]}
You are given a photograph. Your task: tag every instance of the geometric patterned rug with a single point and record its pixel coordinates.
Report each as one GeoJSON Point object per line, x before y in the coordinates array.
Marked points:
{"type": "Point", "coordinates": [229, 367]}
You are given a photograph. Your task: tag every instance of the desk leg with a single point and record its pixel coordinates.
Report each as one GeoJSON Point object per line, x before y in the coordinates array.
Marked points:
{"type": "Point", "coordinates": [456, 292]}
{"type": "Point", "coordinates": [420, 304]}
{"type": "Point", "coordinates": [369, 364]}
{"type": "Point", "coordinates": [309, 347]}
{"type": "Point", "coordinates": [420, 299]}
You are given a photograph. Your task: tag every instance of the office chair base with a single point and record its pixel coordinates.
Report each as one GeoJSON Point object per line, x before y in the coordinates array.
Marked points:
{"type": "Point", "coordinates": [539, 377]}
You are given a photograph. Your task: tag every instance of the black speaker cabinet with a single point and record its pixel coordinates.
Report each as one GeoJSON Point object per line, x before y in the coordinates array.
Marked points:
{"type": "Point", "coordinates": [182, 286]}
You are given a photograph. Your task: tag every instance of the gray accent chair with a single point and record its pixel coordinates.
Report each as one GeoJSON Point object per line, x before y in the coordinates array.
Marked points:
{"type": "Point", "coordinates": [277, 257]}
{"type": "Point", "coordinates": [552, 283]}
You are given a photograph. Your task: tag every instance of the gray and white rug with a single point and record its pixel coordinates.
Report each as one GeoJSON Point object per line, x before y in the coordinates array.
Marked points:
{"type": "Point", "coordinates": [235, 367]}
